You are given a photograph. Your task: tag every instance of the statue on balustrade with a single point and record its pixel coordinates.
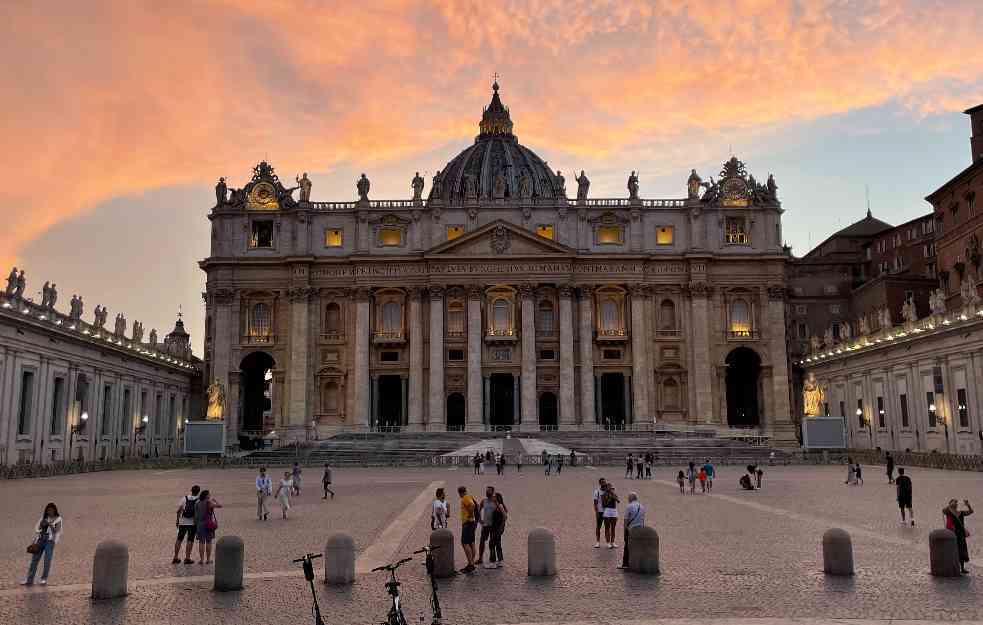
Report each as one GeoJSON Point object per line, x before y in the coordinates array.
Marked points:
{"type": "Point", "coordinates": [525, 185]}
{"type": "Point", "coordinates": [813, 396]}
{"type": "Point", "coordinates": [137, 331]}
{"type": "Point", "coordinates": [633, 186]}
{"type": "Point", "coordinates": [221, 192]}
{"type": "Point", "coordinates": [100, 314]}
{"type": "Point", "coordinates": [305, 187]}
{"type": "Point", "coordinates": [470, 187]}
{"type": "Point", "coordinates": [11, 282]}
{"type": "Point", "coordinates": [583, 185]}
{"type": "Point", "coordinates": [936, 301]}
{"type": "Point", "coordinates": [885, 319]}
{"type": "Point", "coordinates": [153, 337]}
{"type": "Point", "coordinates": [417, 185]}
{"type": "Point", "coordinates": [908, 312]}
{"type": "Point", "coordinates": [967, 290]}
{"type": "Point", "coordinates": [120, 329]}
{"type": "Point", "coordinates": [21, 285]}
{"type": "Point", "coordinates": [76, 308]}
{"type": "Point", "coordinates": [216, 401]}
{"type": "Point", "coordinates": [828, 337]}
{"type": "Point", "coordinates": [437, 188]}
{"type": "Point", "coordinates": [362, 186]}
{"type": "Point", "coordinates": [693, 185]}
{"type": "Point", "coordinates": [815, 343]}
{"type": "Point", "coordinates": [772, 187]}
{"type": "Point", "coordinates": [52, 296]}
{"type": "Point", "coordinates": [561, 185]}
{"type": "Point", "coordinates": [45, 294]}
{"type": "Point", "coordinates": [863, 325]}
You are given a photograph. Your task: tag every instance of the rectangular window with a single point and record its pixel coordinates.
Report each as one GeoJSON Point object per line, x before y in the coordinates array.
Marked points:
{"type": "Point", "coordinates": [903, 402]}
{"type": "Point", "coordinates": [834, 309]}
{"type": "Point", "coordinates": [611, 354]}
{"type": "Point", "coordinates": [454, 232]}
{"type": "Point", "coordinates": [963, 408]}
{"type": "Point", "coordinates": [930, 405]}
{"type": "Point", "coordinates": [390, 237]}
{"type": "Point", "coordinates": [455, 355]}
{"type": "Point", "coordinates": [58, 405]}
{"type": "Point", "coordinates": [547, 354]}
{"type": "Point", "coordinates": [735, 233]}
{"type": "Point", "coordinates": [333, 237]}
{"type": "Point", "coordinates": [880, 413]}
{"type": "Point", "coordinates": [800, 309]}
{"type": "Point", "coordinates": [545, 231]}
{"type": "Point", "coordinates": [26, 403]}
{"type": "Point", "coordinates": [860, 413]}
{"type": "Point", "coordinates": [262, 234]}
{"type": "Point", "coordinates": [389, 356]}
{"type": "Point", "coordinates": [663, 235]}
{"type": "Point", "coordinates": [830, 289]}
{"type": "Point", "coordinates": [610, 235]}
{"type": "Point", "coordinates": [124, 419]}
{"type": "Point", "coordinates": [107, 409]}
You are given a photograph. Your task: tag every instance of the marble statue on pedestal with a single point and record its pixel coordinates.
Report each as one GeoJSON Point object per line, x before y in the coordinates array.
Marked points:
{"type": "Point", "coordinates": [137, 331]}
{"type": "Point", "coordinates": [693, 185]}
{"type": "Point", "coordinates": [583, 185]}
{"type": "Point", "coordinates": [417, 185]}
{"type": "Point", "coordinates": [967, 291]}
{"type": "Point", "coordinates": [153, 337]}
{"type": "Point", "coordinates": [908, 312]}
{"type": "Point", "coordinates": [437, 188]}
{"type": "Point", "coordinates": [633, 186]}
{"type": "Point", "coordinates": [221, 191]}
{"type": "Point", "coordinates": [828, 337]}
{"type": "Point", "coordinates": [305, 187]}
{"type": "Point", "coordinates": [216, 401]}
{"type": "Point", "coordinates": [813, 396]}
{"type": "Point", "coordinates": [815, 343]}
{"type": "Point", "coordinates": [100, 314]}
{"type": "Point", "coordinates": [561, 185]}
{"type": "Point", "coordinates": [20, 285]}
{"type": "Point", "coordinates": [45, 294]}
{"type": "Point", "coordinates": [11, 282]}
{"type": "Point", "coordinates": [362, 186]}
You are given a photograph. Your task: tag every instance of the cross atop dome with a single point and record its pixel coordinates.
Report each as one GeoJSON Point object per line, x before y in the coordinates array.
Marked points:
{"type": "Point", "coordinates": [495, 119]}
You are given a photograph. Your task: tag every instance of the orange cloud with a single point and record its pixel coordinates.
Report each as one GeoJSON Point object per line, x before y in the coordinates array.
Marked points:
{"type": "Point", "coordinates": [108, 100]}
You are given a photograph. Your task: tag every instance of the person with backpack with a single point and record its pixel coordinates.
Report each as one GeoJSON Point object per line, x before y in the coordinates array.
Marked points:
{"type": "Point", "coordinates": [185, 522]}
{"type": "Point", "coordinates": [206, 523]}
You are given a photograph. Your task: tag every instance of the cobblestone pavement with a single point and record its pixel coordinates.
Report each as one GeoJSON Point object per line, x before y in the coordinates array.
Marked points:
{"type": "Point", "coordinates": [730, 554]}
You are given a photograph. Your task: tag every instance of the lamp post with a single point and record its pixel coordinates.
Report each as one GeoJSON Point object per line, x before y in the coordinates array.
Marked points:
{"type": "Point", "coordinates": [78, 428]}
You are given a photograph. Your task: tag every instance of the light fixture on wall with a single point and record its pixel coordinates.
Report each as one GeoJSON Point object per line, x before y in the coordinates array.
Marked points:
{"type": "Point", "coordinates": [78, 428]}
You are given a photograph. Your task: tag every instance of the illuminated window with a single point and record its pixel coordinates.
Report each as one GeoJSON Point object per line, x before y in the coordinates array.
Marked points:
{"type": "Point", "coordinates": [501, 317]}
{"type": "Point", "coordinates": [545, 231]}
{"type": "Point", "coordinates": [610, 235]}
{"type": "Point", "coordinates": [332, 237]}
{"type": "Point", "coordinates": [262, 234]}
{"type": "Point", "coordinates": [259, 320]}
{"type": "Point", "coordinates": [454, 231]}
{"type": "Point", "coordinates": [740, 318]}
{"type": "Point", "coordinates": [663, 235]}
{"type": "Point", "coordinates": [612, 323]}
{"type": "Point", "coordinates": [389, 237]}
{"type": "Point", "coordinates": [735, 233]}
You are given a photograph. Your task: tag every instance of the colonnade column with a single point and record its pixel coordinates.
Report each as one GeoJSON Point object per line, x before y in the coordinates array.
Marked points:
{"type": "Point", "coordinates": [568, 402]}
{"type": "Point", "coordinates": [639, 355]}
{"type": "Point", "coordinates": [588, 411]}
{"type": "Point", "coordinates": [414, 418]}
{"type": "Point", "coordinates": [530, 418]}
{"type": "Point", "coordinates": [783, 430]}
{"type": "Point", "coordinates": [436, 415]}
{"type": "Point", "coordinates": [474, 416]}
{"type": "Point", "coordinates": [361, 378]}
{"type": "Point", "coordinates": [299, 358]}
{"type": "Point", "coordinates": [701, 381]}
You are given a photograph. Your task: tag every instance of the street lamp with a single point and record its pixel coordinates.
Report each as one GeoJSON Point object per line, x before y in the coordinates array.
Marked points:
{"type": "Point", "coordinates": [78, 428]}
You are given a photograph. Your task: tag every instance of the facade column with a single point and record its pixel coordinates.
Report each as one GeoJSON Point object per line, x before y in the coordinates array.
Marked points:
{"type": "Point", "coordinates": [437, 416]}
{"type": "Point", "coordinates": [374, 402]}
{"type": "Point", "coordinates": [700, 371]}
{"type": "Point", "coordinates": [404, 401]}
{"type": "Point", "coordinates": [783, 430]}
{"type": "Point", "coordinates": [629, 392]}
{"type": "Point", "coordinates": [361, 380]}
{"type": "Point", "coordinates": [300, 298]}
{"type": "Point", "coordinates": [414, 414]}
{"type": "Point", "coordinates": [588, 409]}
{"type": "Point", "coordinates": [486, 401]}
{"type": "Point", "coordinates": [516, 406]}
{"type": "Point", "coordinates": [568, 402]}
{"type": "Point", "coordinates": [598, 399]}
{"type": "Point", "coordinates": [475, 398]}
{"type": "Point", "coordinates": [530, 417]}
{"type": "Point", "coordinates": [639, 356]}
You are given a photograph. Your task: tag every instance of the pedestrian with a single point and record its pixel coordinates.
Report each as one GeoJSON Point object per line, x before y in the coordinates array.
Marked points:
{"type": "Point", "coordinates": [681, 480]}
{"type": "Point", "coordinates": [283, 493]}
{"type": "Point", "coordinates": [639, 467]}
{"type": "Point", "coordinates": [648, 465]}
{"type": "Point", "coordinates": [469, 523]}
{"type": "Point", "coordinates": [264, 488]}
{"type": "Point", "coordinates": [629, 466]}
{"type": "Point", "coordinates": [903, 485]}
{"type": "Point", "coordinates": [47, 533]}
{"type": "Point", "coordinates": [573, 459]}
{"type": "Point", "coordinates": [518, 464]}
{"type": "Point", "coordinates": [326, 482]}
{"type": "Point", "coordinates": [295, 479]}
{"type": "Point", "coordinates": [759, 473]}
{"type": "Point", "coordinates": [711, 472]}
{"type": "Point", "coordinates": [610, 502]}
{"type": "Point", "coordinates": [956, 523]}
{"type": "Point", "coordinates": [185, 522]}
{"type": "Point", "coordinates": [499, 516]}
{"type": "Point", "coordinates": [559, 464]}
{"type": "Point", "coordinates": [439, 511]}
{"type": "Point", "coordinates": [890, 468]}
{"type": "Point", "coordinates": [634, 517]}
{"type": "Point", "coordinates": [851, 472]}
{"type": "Point", "coordinates": [547, 464]}
{"type": "Point", "coordinates": [485, 521]}
{"type": "Point", "coordinates": [691, 477]}
{"type": "Point", "coordinates": [745, 482]}
{"type": "Point", "coordinates": [207, 524]}
{"type": "Point", "coordinates": [598, 507]}
{"type": "Point", "coordinates": [858, 472]}
{"type": "Point", "coordinates": [477, 464]}
{"type": "Point", "coordinates": [501, 464]}
{"type": "Point", "coordinates": [702, 475]}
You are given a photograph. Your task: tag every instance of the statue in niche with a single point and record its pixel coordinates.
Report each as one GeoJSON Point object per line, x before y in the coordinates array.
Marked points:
{"type": "Point", "coordinates": [561, 185]}
{"type": "Point", "coordinates": [216, 401]}
{"type": "Point", "coordinates": [362, 186]}
{"type": "Point", "coordinates": [813, 396]}
{"type": "Point", "coordinates": [498, 187]}
{"type": "Point", "coordinates": [583, 185]}
{"type": "Point", "coordinates": [417, 185]}
{"type": "Point", "coordinates": [221, 191]}
{"type": "Point", "coordinates": [633, 186]}
{"type": "Point", "coordinates": [305, 187]}
{"type": "Point", "coordinates": [153, 337]}
{"type": "Point", "coordinates": [525, 185]}
{"type": "Point", "coordinates": [693, 185]}
{"type": "Point", "coordinates": [437, 189]}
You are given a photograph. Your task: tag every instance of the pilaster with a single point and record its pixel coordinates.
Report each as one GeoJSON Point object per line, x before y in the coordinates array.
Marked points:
{"type": "Point", "coordinates": [639, 355]}
{"type": "Point", "coordinates": [568, 402]}
{"type": "Point", "coordinates": [699, 293]}
{"type": "Point", "coordinates": [436, 414]}
{"type": "Point", "coordinates": [783, 429]}
{"type": "Point", "coordinates": [361, 378]}
{"type": "Point", "coordinates": [474, 416]}
{"type": "Point", "coordinates": [588, 409]}
{"type": "Point", "coordinates": [415, 391]}
{"type": "Point", "coordinates": [530, 418]}
{"type": "Point", "coordinates": [299, 359]}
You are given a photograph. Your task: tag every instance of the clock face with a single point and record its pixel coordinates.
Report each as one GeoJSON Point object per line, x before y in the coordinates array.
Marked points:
{"type": "Point", "coordinates": [734, 193]}
{"type": "Point", "coordinates": [263, 197]}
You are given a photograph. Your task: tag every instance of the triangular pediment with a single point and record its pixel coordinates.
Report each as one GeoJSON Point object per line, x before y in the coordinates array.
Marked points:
{"type": "Point", "coordinates": [501, 238]}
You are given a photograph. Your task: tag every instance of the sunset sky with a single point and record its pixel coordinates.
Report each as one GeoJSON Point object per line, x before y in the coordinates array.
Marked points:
{"type": "Point", "coordinates": [118, 117]}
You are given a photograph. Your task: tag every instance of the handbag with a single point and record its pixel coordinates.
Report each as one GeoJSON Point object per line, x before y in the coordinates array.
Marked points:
{"type": "Point", "coordinates": [212, 523]}
{"type": "Point", "coordinates": [35, 547]}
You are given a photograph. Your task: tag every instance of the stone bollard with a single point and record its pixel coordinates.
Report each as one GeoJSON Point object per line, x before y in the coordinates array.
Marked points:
{"type": "Point", "coordinates": [339, 560]}
{"type": "Point", "coordinates": [228, 563]}
{"type": "Point", "coordinates": [443, 558]}
{"type": "Point", "coordinates": [542, 553]}
{"type": "Point", "coordinates": [109, 570]}
{"type": "Point", "coordinates": [943, 553]}
{"type": "Point", "coordinates": [837, 552]}
{"type": "Point", "coordinates": [643, 550]}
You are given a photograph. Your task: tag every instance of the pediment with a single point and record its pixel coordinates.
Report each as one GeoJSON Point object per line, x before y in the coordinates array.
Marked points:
{"type": "Point", "coordinates": [500, 238]}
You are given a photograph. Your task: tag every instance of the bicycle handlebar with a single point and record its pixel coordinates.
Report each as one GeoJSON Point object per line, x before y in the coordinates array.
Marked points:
{"type": "Point", "coordinates": [427, 549]}
{"type": "Point", "coordinates": [310, 556]}
{"type": "Point", "coordinates": [393, 566]}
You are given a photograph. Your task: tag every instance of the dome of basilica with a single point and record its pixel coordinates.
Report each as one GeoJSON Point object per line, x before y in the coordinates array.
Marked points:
{"type": "Point", "coordinates": [497, 166]}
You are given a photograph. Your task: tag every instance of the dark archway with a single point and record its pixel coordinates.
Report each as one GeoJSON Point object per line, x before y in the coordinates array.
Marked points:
{"type": "Point", "coordinates": [613, 400]}
{"type": "Point", "coordinates": [547, 411]}
{"type": "Point", "coordinates": [256, 388]}
{"type": "Point", "coordinates": [390, 402]}
{"type": "Point", "coordinates": [743, 374]}
{"type": "Point", "coordinates": [502, 401]}
{"type": "Point", "coordinates": [455, 412]}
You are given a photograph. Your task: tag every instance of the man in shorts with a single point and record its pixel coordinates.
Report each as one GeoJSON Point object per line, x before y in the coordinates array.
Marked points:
{"type": "Point", "coordinates": [469, 522]}
{"type": "Point", "coordinates": [485, 520]}
{"type": "Point", "coordinates": [711, 472]}
{"type": "Point", "coordinates": [186, 526]}
{"type": "Point", "coordinates": [903, 484]}
{"type": "Point", "coordinates": [598, 508]}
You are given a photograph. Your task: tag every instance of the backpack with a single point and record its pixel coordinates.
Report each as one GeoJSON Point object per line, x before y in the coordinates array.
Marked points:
{"type": "Point", "coordinates": [189, 508]}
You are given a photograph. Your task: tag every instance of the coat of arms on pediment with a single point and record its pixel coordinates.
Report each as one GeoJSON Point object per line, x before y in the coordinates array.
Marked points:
{"type": "Point", "coordinates": [501, 239]}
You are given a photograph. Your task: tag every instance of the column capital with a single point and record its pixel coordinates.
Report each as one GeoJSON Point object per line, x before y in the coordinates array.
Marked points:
{"type": "Point", "coordinates": [362, 293]}
{"type": "Point", "coordinates": [475, 291]}
{"type": "Point", "coordinates": [301, 293]}
{"type": "Point", "coordinates": [698, 289]}
{"type": "Point", "coordinates": [586, 291]}
{"type": "Point", "coordinates": [565, 291]}
{"type": "Point", "coordinates": [222, 296]}
{"type": "Point", "coordinates": [639, 290]}
{"type": "Point", "coordinates": [436, 291]}
{"type": "Point", "coordinates": [526, 290]}
{"type": "Point", "coordinates": [415, 292]}
{"type": "Point", "coordinates": [776, 292]}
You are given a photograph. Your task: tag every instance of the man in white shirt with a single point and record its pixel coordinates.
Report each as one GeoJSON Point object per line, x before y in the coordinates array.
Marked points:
{"type": "Point", "coordinates": [634, 517]}
{"type": "Point", "coordinates": [264, 488]}
{"type": "Point", "coordinates": [598, 508]}
{"type": "Point", "coordinates": [185, 523]}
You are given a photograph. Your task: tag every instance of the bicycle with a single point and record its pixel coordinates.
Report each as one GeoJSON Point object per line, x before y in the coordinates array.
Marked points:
{"type": "Point", "coordinates": [395, 616]}
{"type": "Point", "coordinates": [430, 564]}
{"type": "Point", "coordinates": [307, 562]}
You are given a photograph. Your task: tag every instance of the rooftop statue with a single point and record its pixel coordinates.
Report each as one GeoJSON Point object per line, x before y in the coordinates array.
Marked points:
{"type": "Point", "coordinates": [583, 185]}
{"type": "Point", "coordinates": [561, 184]}
{"type": "Point", "coordinates": [305, 187]}
{"type": "Point", "coordinates": [437, 189]}
{"type": "Point", "coordinates": [221, 190]}
{"type": "Point", "coordinates": [20, 285]}
{"type": "Point", "coordinates": [908, 311]}
{"type": "Point", "coordinates": [153, 337]}
{"type": "Point", "coordinates": [417, 185]}
{"type": "Point", "coordinates": [864, 326]}
{"type": "Point", "coordinates": [815, 343]}
{"type": "Point", "coordinates": [363, 188]}
{"type": "Point", "coordinates": [498, 189]}
{"type": "Point", "coordinates": [693, 185]}
{"type": "Point", "coordinates": [11, 282]}
{"type": "Point", "coordinates": [45, 294]}
{"type": "Point", "coordinates": [633, 186]}
{"type": "Point", "coordinates": [525, 185]}
{"type": "Point", "coordinates": [76, 308]}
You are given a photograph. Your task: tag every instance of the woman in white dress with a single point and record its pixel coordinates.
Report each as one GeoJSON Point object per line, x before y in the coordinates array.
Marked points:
{"type": "Point", "coordinates": [283, 492]}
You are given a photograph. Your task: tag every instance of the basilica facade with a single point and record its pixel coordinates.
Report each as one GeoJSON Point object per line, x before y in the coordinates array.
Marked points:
{"type": "Point", "coordinates": [496, 301]}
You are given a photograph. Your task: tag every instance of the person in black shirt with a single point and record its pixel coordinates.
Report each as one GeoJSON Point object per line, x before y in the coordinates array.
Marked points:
{"type": "Point", "coordinates": [903, 484]}
{"type": "Point", "coordinates": [890, 468]}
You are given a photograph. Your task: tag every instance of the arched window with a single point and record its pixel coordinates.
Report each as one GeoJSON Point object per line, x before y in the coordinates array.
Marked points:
{"type": "Point", "coordinates": [332, 318]}
{"type": "Point", "coordinates": [501, 317]}
{"type": "Point", "coordinates": [545, 321]}
{"type": "Point", "coordinates": [670, 395]}
{"type": "Point", "coordinates": [455, 318]}
{"type": "Point", "coordinates": [667, 315]}
{"type": "Point", "coordinates": [392, 317]}
{"type": "Point", "coordinates": [740, 318]}
{"type": "Point", "coordinates": [260, 322]}
{"type": "Point", "coordinates": [610, 315]}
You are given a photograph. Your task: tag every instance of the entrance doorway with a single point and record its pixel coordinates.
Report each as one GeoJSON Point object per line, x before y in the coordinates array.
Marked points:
{"type": "Point", "coordinates": [256, 388]}
{"type": "Point", "coordinates": [389, 403]}
{"type": "Point", "coordinates": [455, 412]}
{"type": "Point", "coordinates": [743, 373]}
{"type": "Point", "coordinates": [547, 411]}
{"type": "Point", "coordinates": [613, 400]}
{"type": "Point", "coordinates": [502, 401]}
